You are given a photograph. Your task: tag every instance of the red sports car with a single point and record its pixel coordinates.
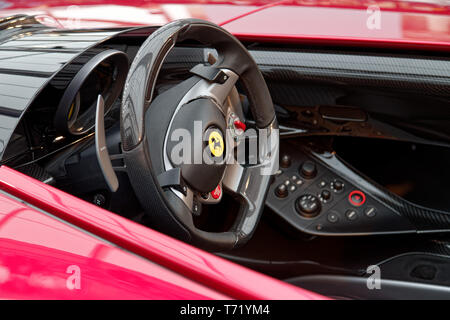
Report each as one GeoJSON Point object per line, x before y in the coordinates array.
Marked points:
{"type": "Point", "coordinates": [223, 149]}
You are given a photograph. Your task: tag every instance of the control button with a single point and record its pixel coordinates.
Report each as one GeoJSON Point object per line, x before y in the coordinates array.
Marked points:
{"type": "Point", "coordinates": [326, 195]}
{"type": "Point", "coordinates": [370, 212]}
{"type": "Point", "coordinates": [308, 205]}
{"type": "Point", "coordinates": [281, 191]}
{"type": "Point", "coordinates": [294, 178]}
{"type": "Point", "coordinates": [322, 184]}
{"type": "Point", "coordinates": [238, 124]}
{"type": "Point", "coordinates": [217, 192]}
{"type": "Point", "coordinates": [205, 196]}
{"type": "Point", "coordinates": [337, 186]}
{"type": "Point", "coordinates": [287, 182]}
{"type": "Point", "coordinates": [357, 198]}
{"type": "Point", "coordinates": [292, 188]}
{"type": "Point", "coordinates": [351, 214]}
{"type": "Point", "coordinates": [308, 169]}
{"type": "Point", "coordinates": [333, 217]}
{"type": "Point", "coordinates": [299, 182]}
{"type": "Point", "coordinates": [285, 161]}
{"type": "Point", "coordinates": [99, 200]}
{"type": "Point", "coordinates": [196, 208]}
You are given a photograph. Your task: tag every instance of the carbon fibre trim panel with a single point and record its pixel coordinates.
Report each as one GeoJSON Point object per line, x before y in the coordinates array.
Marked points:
{"type": "Point", "coordinates": [430, 75]}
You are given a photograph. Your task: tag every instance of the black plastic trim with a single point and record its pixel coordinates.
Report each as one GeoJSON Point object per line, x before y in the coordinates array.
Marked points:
{"type": "Point", "coordinates": [120, 59]}
{"type": "Point", "coordinates": [348, 287]}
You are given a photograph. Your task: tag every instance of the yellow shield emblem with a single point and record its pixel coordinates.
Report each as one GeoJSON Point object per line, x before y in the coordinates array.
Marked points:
{"type": "Point", "coordinates": [215, 142]}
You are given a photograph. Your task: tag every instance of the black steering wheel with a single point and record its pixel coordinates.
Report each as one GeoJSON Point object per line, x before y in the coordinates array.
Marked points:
{"type": "Point", "coordinates": [205, 105]}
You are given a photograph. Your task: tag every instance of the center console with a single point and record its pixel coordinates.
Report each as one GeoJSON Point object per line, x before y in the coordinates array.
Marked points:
{"type": "Point", "coordinates": [317, 193]}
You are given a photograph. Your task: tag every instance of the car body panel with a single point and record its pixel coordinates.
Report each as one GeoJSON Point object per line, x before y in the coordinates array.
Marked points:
{"type": "Point", "coordinates": [197, 265]}
{"type": "Point", "coordinates": [40, 258]}
{"type": "Point", "coordinates": [350, 26]}
{"type": "Point", "coordinates": [117, 13]}
{"type": "Point", "coordinates": [407, 24]}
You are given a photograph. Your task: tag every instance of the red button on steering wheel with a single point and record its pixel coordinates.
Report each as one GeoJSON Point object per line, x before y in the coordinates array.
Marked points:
{"type": "Point", "coordinates": [216, 193]}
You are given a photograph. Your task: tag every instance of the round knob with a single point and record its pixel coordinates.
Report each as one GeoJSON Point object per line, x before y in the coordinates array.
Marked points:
{"type": "Point", "coordinates": [325, 194]}
{"type": "Point", "coordinates": [99, 200]}
{"type": "Point", "coordinates": [281, 191]}
{"type": "Point", "coordinates": [308, 169]}
{"type": "Point", "coordinates": [308, 205]}
{"type": "Point", "coordinates": [337, 185]}
{"type": "Point", "coordinates": [285, 161]}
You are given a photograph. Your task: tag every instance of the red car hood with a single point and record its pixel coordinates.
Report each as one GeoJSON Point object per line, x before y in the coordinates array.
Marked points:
{"type": "Point", "coordinates": [424, 23]}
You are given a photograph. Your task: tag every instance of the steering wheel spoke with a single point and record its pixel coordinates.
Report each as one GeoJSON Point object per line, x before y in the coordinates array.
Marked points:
{"type": "Point", "coordinates": [251, 182]}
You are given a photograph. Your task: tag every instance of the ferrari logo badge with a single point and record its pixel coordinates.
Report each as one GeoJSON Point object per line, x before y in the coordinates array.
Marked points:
{"type": "Point", "coordinates": [215, 142]}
